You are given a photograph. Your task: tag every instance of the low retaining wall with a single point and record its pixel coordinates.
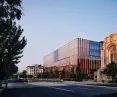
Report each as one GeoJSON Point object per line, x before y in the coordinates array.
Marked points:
{"type": "Point", "coordinates": [45, 80]}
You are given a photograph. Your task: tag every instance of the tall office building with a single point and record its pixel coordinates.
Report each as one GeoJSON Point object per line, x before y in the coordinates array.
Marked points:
{"type": "Point", "coordinates": [85, 53]}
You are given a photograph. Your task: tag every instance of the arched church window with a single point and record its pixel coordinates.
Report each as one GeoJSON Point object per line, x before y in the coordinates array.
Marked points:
{"type": "Point", "coordinates": [113, 54]}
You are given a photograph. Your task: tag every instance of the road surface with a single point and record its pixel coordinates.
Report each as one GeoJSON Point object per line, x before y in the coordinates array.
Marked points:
{"type": "Point", "coordinates": [47, 89]}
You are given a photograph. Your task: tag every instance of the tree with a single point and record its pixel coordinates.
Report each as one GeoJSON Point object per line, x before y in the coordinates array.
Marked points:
{"type": "Point", "coordinates": [39, 76]}
{"type": "Point", "coordinates": [111, 70]}
{"type": "Point", "coordinates": [56, 73]}
{"type": "Point", "coordinates": [11, 41]}
{"type": "Point", "coordinates": [30, 76]}
{"type": "Point", "coordinates": [72, 75]}
{"type": "Point", "coordinates": [78, 73]}
{"type": "Point", "coordinates": [67, 74]}
{"type": "Point", "coordinates": [51, 73]}
{"type": "Point", "coordinates": [24, 74]}
{"type": "Point", "coordinates": [44, 75]}
{"type": "Point", "coordinates": [63, 73]}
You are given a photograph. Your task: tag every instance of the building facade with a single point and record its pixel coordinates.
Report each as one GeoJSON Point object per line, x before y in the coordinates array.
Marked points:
{"type": "Point", "coordinates": [109, 50]}
{"type": "Point", "coordinates": [84, 52]}
{"type": "Point", "coordinates": [34, 70]}
{"type": "Point", "coordinates": [108, 55]}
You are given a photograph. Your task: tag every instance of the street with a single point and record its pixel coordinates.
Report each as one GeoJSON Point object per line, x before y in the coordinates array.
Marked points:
{"type": "Point", "coordinates": [49, 89]}
{"type": "Point", "coordinates": [26, 90]}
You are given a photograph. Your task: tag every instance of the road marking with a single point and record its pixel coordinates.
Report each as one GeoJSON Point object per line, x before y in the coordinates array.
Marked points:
{"type": "Point", "coordinates": [62, 89]}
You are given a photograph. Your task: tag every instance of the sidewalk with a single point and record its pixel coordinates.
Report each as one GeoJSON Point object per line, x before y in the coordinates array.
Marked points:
{"type": "Point", "coordinates": [83, 82]}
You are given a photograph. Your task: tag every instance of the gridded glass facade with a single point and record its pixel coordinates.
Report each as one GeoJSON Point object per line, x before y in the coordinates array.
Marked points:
{"type": "Point", "coordinates": [94, 49]}
{"type": "Point", "coordinates": [66, 53]}
{"type": "Point", "coordinates": [79, 51]}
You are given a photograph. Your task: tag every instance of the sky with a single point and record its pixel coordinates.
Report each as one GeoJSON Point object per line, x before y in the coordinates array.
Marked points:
{"type": "Point", "coordinates": [49, 24]}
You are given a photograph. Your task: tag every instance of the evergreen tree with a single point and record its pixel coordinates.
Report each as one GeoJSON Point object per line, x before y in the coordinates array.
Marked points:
{"type": "Point", "coordinates": [78, 73]}
{"type": "Point", "coordinates": [51, 73]}
{"type": "Point", "coordinates": [56, 73]}
{"type": "Point", "coordinates": [24, 74]}
{"type": "Point", "coordinates": [11, 42]}
{"type": "Point", "coordinates": [63, 73]}
{"type": "Point", "coordinates": [72, 75]}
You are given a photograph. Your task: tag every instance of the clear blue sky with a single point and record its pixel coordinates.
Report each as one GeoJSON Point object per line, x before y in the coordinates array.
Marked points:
{"type": "Point", "coordinates": [49, 24]}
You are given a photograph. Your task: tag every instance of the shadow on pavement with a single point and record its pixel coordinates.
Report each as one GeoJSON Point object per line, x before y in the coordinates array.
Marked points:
{"type": "Point", "coordinates": [41, 91]}
{"type": "Point", "coordinates": [34, 92]}
{"type": "Point", "coordinates": [108, 95]}
{"type": "Point", "coordinates": [88, 91]}
{"type": "Point", "coordinates": [109, 85]}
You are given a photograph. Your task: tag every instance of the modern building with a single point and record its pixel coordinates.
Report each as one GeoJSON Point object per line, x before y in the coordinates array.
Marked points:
{"type": "Point", "coordinates": [34, 70]}
{"type": "Point", "coordinates": [83, 52]}
{"type": "Point", "coordinates": [108, 54]}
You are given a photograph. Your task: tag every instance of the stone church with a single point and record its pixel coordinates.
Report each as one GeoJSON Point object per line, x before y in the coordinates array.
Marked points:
{"type": "Point", "coordinates": [108, 55]}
